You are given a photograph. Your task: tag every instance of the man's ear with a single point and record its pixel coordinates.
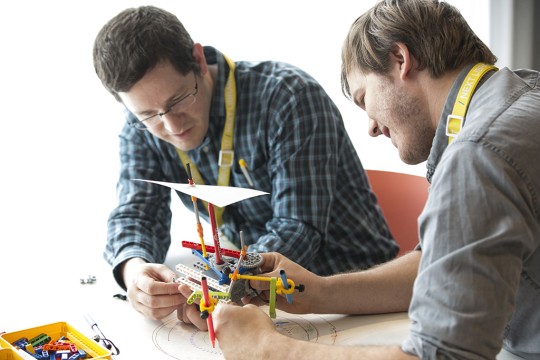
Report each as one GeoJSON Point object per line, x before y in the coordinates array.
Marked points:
{"type": "Point", "coordinates": [198, 55]}
{"type": "Point", "coordinates": [402, 58]}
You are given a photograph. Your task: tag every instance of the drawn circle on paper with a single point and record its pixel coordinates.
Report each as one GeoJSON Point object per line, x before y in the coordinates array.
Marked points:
{"type": "Point", "coordinates": [182, 342]}
{"type": "Point", "coordinates": [307, 327]}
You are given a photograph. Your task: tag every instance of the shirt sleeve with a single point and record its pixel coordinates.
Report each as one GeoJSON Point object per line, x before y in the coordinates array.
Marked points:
{"type": "Point", "coordinates": [474, 236]}
{"type": "Point", "coordinates": [303, 156]}
{"type": "Point", "coordinates": [140, 224]}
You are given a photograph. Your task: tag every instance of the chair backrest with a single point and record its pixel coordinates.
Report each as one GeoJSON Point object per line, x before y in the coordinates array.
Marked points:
{"type": "Point", "coordinates": [402, 198]}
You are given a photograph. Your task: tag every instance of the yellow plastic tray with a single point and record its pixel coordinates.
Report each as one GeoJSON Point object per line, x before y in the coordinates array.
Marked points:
{"type": "Point", "coordinates": [9, 354]}
{"type": "Point", "coordinates": [56, 331]}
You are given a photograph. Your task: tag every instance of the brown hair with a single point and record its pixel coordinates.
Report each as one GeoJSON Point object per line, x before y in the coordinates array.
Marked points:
{"type": "Point", "coordinates": [435, 33]}
{"type": "Point", "coordinates": [135, 41]}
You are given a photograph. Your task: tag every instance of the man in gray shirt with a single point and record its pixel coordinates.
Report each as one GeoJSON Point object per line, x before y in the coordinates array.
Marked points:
{"type": "Point", "coordinates": [472, 286]}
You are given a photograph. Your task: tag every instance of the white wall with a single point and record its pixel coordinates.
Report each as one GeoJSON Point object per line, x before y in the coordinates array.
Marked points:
{"type": "Point", "coordinates": [59, 126]}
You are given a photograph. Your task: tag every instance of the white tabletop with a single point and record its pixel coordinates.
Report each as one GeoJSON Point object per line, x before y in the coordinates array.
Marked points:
{"type": "Point", "coordinates": [39, 289]}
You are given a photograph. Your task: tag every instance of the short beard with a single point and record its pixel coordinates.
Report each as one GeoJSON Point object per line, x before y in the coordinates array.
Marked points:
{"type": "Point", "coordinates": [410, 111]}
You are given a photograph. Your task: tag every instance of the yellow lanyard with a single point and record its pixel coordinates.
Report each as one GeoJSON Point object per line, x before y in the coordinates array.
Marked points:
{"type": "Point", "coordinates": [454, 122]}
{"type": "Point", "coordinates": [226, 154]}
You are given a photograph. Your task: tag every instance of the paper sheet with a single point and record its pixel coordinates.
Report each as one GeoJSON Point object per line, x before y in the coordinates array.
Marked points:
{"type": "Point", "coordinates": [182, 342]}
{"type": "Point", "coordinates": [217, 195]}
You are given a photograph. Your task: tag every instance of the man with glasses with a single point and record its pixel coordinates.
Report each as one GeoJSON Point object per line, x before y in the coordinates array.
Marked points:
{"type": "Point", "coordinates": [177, 105]}
{"type": "Point", "coordinates": [189, 104]}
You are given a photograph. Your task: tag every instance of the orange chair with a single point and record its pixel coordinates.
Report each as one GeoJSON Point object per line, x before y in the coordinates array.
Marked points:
{"type": "Point", "coordinates": [401, 198]}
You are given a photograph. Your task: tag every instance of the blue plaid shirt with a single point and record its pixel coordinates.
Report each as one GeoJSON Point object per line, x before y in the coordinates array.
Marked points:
{"type": "Point", "coordinates": [320, 212]}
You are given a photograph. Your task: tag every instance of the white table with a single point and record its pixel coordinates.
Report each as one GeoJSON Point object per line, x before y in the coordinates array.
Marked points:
{"type": "Point", "coordinates": [33, 295]}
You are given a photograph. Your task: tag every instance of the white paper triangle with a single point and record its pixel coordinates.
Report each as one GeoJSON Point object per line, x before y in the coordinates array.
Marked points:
{"type": "Point", "coordinates": [217, 195]}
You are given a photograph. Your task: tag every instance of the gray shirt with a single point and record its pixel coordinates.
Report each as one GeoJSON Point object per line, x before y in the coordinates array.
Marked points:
{"type": "Point", "coordinates": [478, 285]}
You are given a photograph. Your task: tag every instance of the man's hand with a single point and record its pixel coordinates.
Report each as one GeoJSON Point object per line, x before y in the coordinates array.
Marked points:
{"type": "Point", "coordinates": [303, 302]}
{"type": "Point", "coordinates": [152, 291]}
{"type": "Point", "coordinates": [244, 332]}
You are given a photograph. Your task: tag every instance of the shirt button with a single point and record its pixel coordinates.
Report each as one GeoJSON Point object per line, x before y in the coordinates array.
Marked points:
{"type": "Point", "coordinates": [205, 149]}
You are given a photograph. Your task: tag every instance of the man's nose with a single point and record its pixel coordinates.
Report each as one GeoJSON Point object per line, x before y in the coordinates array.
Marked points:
{"type": "Point", "coordinates": [171, 122]}
{"type": "Point", "coordinates": [374, 129]}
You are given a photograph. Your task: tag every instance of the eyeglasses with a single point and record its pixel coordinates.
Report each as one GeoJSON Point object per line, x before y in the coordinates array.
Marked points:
{"type": "Point", "coordinates": [176, 107]}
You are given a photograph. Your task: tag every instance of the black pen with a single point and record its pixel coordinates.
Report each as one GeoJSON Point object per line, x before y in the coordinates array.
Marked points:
{"type": "Point", "coordinates": [100, 337]}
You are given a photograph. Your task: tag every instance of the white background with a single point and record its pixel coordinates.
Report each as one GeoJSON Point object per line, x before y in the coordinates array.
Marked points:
{"type": "Point", "coordinates": [58, 145]}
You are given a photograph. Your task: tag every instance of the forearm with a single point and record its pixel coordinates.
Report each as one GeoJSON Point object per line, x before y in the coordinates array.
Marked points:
{"type": "Point", "coordinates": [234, 324]}
{"type": "Point", "coordinates": [140, 225]}
{"type": "Point", "coordinates": [290, 348]}
{"type": "Point", "coordinates": [382, 289]}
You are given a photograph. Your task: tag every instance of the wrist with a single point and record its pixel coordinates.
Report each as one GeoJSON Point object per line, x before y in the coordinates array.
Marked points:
{"type": "Point", "coordinates": [323, 303]}
{"type": "Point", "coordinates": [128, 269]}
{"type": "Point", "coordinates": [279, 346]}
{"type": "Point", "coordinates": [271, 351]}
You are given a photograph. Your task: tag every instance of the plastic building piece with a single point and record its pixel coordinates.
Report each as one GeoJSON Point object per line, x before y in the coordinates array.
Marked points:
{"type": "Point", "coordinates": [207, 307]}
{"type": "Point", "coordinates": [224, 274]}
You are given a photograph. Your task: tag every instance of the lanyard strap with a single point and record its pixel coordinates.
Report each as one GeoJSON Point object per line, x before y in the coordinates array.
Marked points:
{"type": "Point", "coordinates": [454, 121]}
{"type": "Point", "coordinates": [226, 154]}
